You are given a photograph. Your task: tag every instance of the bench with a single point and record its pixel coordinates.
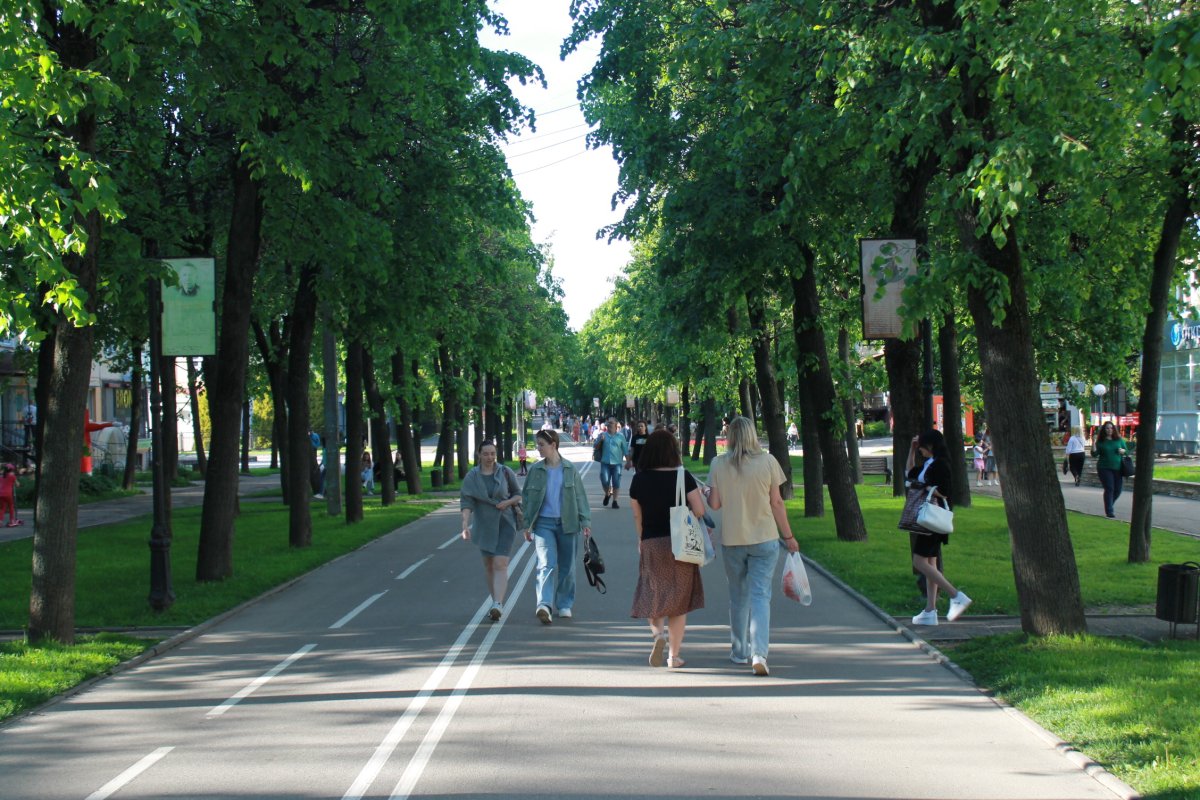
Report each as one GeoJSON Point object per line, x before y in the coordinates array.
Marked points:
{"type": "Point", "coordinates": [877, 465]}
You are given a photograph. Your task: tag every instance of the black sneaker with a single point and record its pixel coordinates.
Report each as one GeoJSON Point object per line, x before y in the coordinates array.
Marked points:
{"type": "Point", "coordinates": [606, 499]}
{"type": "Point", "coordinates": [614, 505]}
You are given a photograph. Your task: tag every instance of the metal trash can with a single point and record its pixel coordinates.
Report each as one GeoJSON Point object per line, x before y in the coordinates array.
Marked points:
{"type": "Point", "coordinates": [1179, 595]}
{"type": "Point", "coordinates": [435, 478]}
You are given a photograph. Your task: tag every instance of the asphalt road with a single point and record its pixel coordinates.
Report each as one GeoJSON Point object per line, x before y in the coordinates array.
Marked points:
{"type": "Point", "coordinates": [376, 676]}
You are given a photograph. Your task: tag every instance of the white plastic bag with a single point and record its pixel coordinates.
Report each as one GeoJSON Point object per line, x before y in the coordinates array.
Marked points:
{"type": "Point", "coordinates": [795, 580]}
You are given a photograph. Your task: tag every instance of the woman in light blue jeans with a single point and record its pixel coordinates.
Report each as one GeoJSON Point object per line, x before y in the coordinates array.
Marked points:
{"type": "Point", "coordinates": [556, 507]}
{"type": "Point", "coordinates": [745, 481]}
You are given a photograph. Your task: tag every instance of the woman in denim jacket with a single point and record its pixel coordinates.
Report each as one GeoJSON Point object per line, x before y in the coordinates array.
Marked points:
{"type": "Point", "coordinates": [556, 510]}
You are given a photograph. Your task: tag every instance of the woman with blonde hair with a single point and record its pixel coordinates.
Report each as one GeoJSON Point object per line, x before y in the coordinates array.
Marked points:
{"type": "Point", "coordinates": [744, 482]}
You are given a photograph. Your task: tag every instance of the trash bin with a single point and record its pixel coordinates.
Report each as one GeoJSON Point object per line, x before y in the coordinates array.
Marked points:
{"type": "Point", "coordinates": [1179, 594]}
{"type": "Point", "coordinates": [435, 478]}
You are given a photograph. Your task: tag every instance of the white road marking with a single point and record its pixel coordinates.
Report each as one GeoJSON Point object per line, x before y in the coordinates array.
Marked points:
{"type": "Point", "coordinates": [361, 607]}
{"type": "Point", "coordinates": [416, 766]}
{"type": "Point", "coordinates": [412, 569]}
{"type": "Point", "coordinates": [253, 686]}
{"type": "Point", "coordinates": [113, 786]}
{"type": "Point", "coordinates": [384, 751]}
{"type": "Point", "coordinates": [450, 541]}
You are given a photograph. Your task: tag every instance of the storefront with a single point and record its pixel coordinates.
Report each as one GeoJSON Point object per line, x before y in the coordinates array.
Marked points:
{"type": "Point", "coordinates": [1179, 389]}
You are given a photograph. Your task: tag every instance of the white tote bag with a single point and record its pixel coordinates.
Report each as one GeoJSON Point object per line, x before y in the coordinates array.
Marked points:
{"type": "Point", "coordinates": [687, 535]}
{"type": "Point", "coordinates": [933, 517]}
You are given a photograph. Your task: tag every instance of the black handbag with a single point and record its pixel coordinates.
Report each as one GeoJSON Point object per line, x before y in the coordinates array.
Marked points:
{"type": "Point", "coordinates": [598, 448]}
{"type": "Point", "coordinates": [1127, 470]}
{"type": "Point", "coordinates": [593, 565]}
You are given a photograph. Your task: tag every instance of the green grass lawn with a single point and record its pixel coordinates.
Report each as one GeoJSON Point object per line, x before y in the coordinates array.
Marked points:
{"type": "Point", "coordinates": [1168, 472]}
{"type": "Point", "coordinates": [1128, 705]}
{"type": "Point", "coordinates": [979, 556]}
{"type": "Point", "coordinates": [113, 564]}
{"type": "Point", "coordinates": [30, 675]}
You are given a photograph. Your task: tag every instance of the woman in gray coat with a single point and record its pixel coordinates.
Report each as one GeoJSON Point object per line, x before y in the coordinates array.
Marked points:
{"type": "Point", "coordinates": [491, 512]}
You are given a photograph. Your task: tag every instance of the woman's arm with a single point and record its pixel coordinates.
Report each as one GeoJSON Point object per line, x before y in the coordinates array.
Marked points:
{"type": "Point", "coordinates": [637, 522]}
{"type": "Point", "coordinates": [713, 496]}
{"type": "Point", "coordinates": [779, 512]}
{"type": "Point", "coordinates": [466, 524]}
{"type": "Point", "coordinates": [696, 503]}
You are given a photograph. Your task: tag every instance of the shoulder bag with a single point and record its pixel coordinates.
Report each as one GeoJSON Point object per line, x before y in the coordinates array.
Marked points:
{"type": "Point", "coordinates": [687, 537]}
{"type": "Point", "coordinates": [593, 565]}
{"type": "Point", "coordinates": [1127, 470]}
{"type": "Point", "coordinates": [934, 517]}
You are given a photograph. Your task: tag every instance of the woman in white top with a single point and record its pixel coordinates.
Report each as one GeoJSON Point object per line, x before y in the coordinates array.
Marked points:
{"type": "Point", "coordinates": [745, 482]}
{"type": "Point", "coordinates": [1075, 454]}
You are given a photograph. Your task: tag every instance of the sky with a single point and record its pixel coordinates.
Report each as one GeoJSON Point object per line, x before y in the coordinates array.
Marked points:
{"type": "Point", "coordinates": [570, 187]}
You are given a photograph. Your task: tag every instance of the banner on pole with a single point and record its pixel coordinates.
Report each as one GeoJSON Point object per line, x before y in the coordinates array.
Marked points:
{"type": "Point", "coordinates": [189, 324]}
{"type": "Point", "coordinates": [885, 263]}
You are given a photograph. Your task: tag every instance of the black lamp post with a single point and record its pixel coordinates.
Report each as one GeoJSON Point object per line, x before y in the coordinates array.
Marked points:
{"type": "Point", "coordinates": [161, 593]}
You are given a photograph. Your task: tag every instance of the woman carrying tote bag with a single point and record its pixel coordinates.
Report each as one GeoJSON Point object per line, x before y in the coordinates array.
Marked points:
{"type": "Point", "coordinates": [929, 465]}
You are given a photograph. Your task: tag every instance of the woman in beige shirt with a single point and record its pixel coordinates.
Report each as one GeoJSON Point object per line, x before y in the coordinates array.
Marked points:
{"type": "Point", "coordinates": [744, 484]}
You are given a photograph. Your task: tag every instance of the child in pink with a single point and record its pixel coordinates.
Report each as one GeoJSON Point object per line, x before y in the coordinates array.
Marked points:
{"type": "Point", "coordinates": [8, 487]}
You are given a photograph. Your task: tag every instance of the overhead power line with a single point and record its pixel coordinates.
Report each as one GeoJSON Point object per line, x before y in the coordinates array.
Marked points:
{"type": "Point", "coordinates": [551, 164]}
{"type": "Point", "coordinates": [522, 140]}
{"type": "Point", "coordinates": [546, 147]}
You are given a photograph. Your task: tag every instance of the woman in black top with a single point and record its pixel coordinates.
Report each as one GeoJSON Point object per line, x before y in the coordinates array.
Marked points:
{"type": "Point", "coordinates": [636, 444]}
{"type": "Point", "coordinates": [929, 466]}
{"type": "Point", "coordinates": [666, 589]}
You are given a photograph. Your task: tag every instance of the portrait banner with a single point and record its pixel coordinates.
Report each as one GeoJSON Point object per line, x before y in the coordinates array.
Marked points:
{"type": "Point", "coordinates": [885, 264]}
{"type": "Point", "coordinates": [189, 324]}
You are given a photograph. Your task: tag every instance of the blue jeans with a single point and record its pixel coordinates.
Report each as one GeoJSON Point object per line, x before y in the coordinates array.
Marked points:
{"type": "Point", "coordinates": [750, 569]}
{"type": "Point", "coordinates": [1113, 483]}
{"type": "Point", "coordinates": [610, 476]}
{"type": "Point", "coordinates": [556, 563]}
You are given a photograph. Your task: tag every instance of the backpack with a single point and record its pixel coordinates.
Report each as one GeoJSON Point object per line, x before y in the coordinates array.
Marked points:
{"type": "Point", "coordinates": [598, 447]}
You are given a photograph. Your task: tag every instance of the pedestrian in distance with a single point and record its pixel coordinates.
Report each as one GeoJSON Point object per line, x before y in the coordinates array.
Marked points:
{"type": "Point", "coordinates": [990, 474]}
{"type": "Point", "coordinates": [636, 444]}
{"type": "Point", "coordinates": [556, 512]}
{"type": "Point", "coordinates": [980, 458]}
{"type": "Point", "coordinates": [744, 482]}
{"type": "Point", "coordinates": [8, 495]}
{"type": "Point", "coordinates": [1108, 450]}
{"type": "Point", "coordinates": [666, 589]}
{"type": "Point", "coordinates": [929, 466]}
{"type": "Point", "coordinates": [490, 500]}
{"type": "Point", "coordinates": [614, 448]}
{"type": "Point", "coordinates": [367, 472]}
{"type": "Point", "coordinates": [793, 434]}
{"type": "Point", "coordinates": [1075, 454]}
{"type": "Point", "coordinates": [523, 457]}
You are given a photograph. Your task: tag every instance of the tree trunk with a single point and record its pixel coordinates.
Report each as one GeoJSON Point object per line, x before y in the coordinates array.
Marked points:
{"type": "Point", "coordinates": [1165, 255]}
{"type": "Point", "coordinates": [354, 431]}
{"type": "Point", "coordinates": [194, 402]}
{"type": "Point", "coordinates": [902, 358]}
{"type": "Point", "coordinates": [332, 457]}
{"type": "Point", "coordinates": [381, 440]}
{"type": "Point", "coordinates": [772, 406]}
{"type": "Point", "coordinates": [745, 400]}
{"type": "Point", "coordinates": [227, 383]}
{"type": "Point", "coordinates": [273, 350]}
{"type": "Point", "coordinates": [405, 438]}
{"type": "Point", "coordinates": [685, 420]}
{"type": "Point", "coordinates": [129, 479]}
{"type": "Point", "coordinates": [848, 413]}
{"type": "Point", "coordinates": [810, 340]}
{"type": "Point", "coordinates": [810, 438]}
{"type": "Point", "coordinates": [298, 449]}
{"type": "Point", "coordinates": [245, 435]}
{"type": "Point", "coordinates": [464, 445]}
{"type": "Point", "coordinates": [1047, 580]}
{"type": "Point", "coordinates": [952, 427]}
{"type": "Point", "coordinates": [709, 410]}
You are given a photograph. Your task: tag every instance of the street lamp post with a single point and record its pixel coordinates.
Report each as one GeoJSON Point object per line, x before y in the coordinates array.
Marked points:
{"type": "Point", "coordinates": [162, 595]}
{"type": "Point", "coordinates": [1099, 390]}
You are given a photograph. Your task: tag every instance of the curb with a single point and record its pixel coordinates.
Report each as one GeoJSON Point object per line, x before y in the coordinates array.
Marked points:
{"type": "Point", "coordinates": [182, 637]}
{"type": "Point", "coordinates": [1086, 764]}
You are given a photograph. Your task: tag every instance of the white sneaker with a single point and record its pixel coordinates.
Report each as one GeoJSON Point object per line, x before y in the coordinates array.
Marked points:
{"type": "Point", "coordinates": [565, 613]}
{"type": "Point", "coordinates": [958, 604]}
{"type": "Point", "coordinates": [543, 613]}
{"type": "Point", "coordinates": [926, 618]}
{"type": "Point", "coordinates": [759, 665]}
{"type": "Point", "coordinates": [738, 660]}
{"type": "Point", "coordinates": [979, 483]}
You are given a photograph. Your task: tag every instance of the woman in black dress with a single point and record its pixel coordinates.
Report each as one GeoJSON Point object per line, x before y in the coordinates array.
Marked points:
{"type": "Point", "coordinates": [666, 589]}
{"type": "Point", "coordinates": [929, 465]}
